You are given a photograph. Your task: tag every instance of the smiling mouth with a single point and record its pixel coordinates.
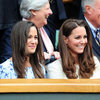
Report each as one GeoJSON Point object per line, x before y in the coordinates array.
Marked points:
{"type": "Point", "coordinates": [32, 46]}
{"type": "Point", "coordinates": [46, 17]}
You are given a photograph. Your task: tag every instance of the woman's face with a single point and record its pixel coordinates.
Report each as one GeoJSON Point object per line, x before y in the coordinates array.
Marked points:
{"type": "Point", "coordinates": [32, 41]}
{"type": "Point", "coordinates": [77, 40]}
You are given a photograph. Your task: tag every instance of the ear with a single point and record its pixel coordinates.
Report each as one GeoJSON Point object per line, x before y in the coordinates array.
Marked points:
{"type": "Point", "coordinates": [89, 9]}
{"type": "Point", "coordinates": [65, 39]}
{"type": "Point", "coordinates": [33, 12]}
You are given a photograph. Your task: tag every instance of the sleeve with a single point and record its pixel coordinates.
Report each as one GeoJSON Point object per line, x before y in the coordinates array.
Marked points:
{"type": "Point", "coordinates": [44, 70]}
{"type": "Point", "coordinates": [7, 70]}
{"type": "Point", "coordinates": [96, 73]}
{"type": "Point", "coordinates": [4, 74]}
{"type": "Point", "coordinates": [55, 71]}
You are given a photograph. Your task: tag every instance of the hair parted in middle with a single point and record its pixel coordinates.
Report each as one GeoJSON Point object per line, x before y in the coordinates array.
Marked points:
{"type": "Point", "coordinates": [86, 62]}
{"type": "Point", "coordinates": [19, 36]}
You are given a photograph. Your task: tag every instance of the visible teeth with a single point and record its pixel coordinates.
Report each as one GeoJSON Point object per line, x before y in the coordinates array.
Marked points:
{"type": "Point", "coordinates": [81, 46]}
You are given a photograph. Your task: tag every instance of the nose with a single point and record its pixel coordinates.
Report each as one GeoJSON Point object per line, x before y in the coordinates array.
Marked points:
{"type": "Point", "coordinates": [50, 12]}
{"type": "Point", "coordinates": [83, 40]}
{"type": "Point", "coordinates": [33, 40]}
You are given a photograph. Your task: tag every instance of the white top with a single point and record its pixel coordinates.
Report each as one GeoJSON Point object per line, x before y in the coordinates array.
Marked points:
{"type": "Point", "coordinates": [55, 70]}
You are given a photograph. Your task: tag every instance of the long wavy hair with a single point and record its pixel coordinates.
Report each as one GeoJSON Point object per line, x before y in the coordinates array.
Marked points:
{"type": "Point", "coordinates": [19, 36]}
{"type": "Point", "coordinates": [86, 61]}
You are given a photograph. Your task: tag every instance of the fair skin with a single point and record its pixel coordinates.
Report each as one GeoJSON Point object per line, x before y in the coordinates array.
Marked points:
{"type": "Point", "coordinates": [31, 44]}
{"type": "Point", "coordinates": [93, 13]}
{"type": "Point", "coordinates": [48, 55]}
{"type": "Point", "coordinates": [77, 41]}
{"type": "Point", "coordinates": [40, 16]}
{"type": "Point", "coordinates": [32, 41]}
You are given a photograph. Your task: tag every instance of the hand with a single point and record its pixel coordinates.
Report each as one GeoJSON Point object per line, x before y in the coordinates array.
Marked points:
{"type": "Point", "coordinates": [56, 54]}
{"type": "Point", "coordinates": [47, 55]}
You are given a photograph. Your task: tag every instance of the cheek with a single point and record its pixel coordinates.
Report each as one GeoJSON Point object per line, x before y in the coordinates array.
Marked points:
{"type": "Point", "coordinates": [37, 42]}
{"type": "Point", "coordinates": [28, 41]}
{"type": "Point", "coordinates": [86, 41]}
{"type": "Point", "coordinates": [73, 42]}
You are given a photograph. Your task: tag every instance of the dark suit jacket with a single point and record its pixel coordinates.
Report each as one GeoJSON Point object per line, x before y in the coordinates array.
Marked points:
{"type": "Point", "coordinates": [9, 13]}
{"type": "Point", "coordinates": [96, 48]}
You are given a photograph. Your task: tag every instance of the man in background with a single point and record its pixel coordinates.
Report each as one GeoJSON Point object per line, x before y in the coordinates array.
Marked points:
{"type": "Point", "coordinates": [91, 11]}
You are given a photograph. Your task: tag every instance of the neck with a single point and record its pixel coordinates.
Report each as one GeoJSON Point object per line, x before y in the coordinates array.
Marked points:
{"type": "Point", "coordinates": [75, 58]}
{"type": "Point", "coordinates": [76, 61]}
{"type": "Point", "coordinates": [35, 21]}
{"type": "Point", "coordinates": [91, 21]}
{"type": "Point", "coordinates": [10, 58]}
{"type": "Point", "coordinates": [27, 63]}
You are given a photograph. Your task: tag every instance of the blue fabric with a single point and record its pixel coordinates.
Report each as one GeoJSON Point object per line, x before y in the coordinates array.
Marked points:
{"type": "Point", "coordinates": [7, 71]}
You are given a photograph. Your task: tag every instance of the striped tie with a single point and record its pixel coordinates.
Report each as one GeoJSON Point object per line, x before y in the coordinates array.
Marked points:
{"type": "Point", "coordinates": [97, 38]}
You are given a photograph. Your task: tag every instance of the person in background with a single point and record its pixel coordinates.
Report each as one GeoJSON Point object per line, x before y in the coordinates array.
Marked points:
{"type": "Point", "coordinates": [38, 11]}
{"type": "Point", "coordinates": [75, 47]}
{"type": "Point", "coordinates": [54, 22]}
{"type": "Point", "coordinates": [91, 11]}
{"type": "Point", "coordinates": [9, 15]}
{"type": "Point", "coordinates": [27, 56]}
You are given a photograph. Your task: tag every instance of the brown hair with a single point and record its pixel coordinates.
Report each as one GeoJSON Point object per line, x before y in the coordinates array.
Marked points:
{"type": "Point", "coordinates": [86, 62]}
{"type": "Point", "coordinates": [19, 37]}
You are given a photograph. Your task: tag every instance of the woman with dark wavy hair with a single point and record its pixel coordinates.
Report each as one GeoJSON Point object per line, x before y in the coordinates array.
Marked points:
{"type": "Point", "coordinates": [75, 46]}
{"type": "Point", "coordinates": [27, 55]}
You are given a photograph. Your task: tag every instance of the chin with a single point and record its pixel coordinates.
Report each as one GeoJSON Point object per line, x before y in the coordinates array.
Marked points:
{"type": "Point", "coordinates": [80, 52]}
{"type": "Point", "coordinates": [45, 23]}
{"type": "Point", "coordinates": [32, 52]}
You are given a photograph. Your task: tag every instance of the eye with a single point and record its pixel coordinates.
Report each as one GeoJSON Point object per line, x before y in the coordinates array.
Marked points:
{"type": "Point", "coordinates": [29, 36]}
{"type": "Point", "coordinates": [85, 36]}
{"type": "Point", "coordinates": [36, 37]}
{"type": "Point", "coordinates": [77, 37]}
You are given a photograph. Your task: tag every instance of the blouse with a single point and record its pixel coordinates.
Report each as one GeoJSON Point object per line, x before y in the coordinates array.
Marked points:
{"type": "Point", "coordinates": [55, 70]}
{"type": "Point", "coordinates": [7, 71]}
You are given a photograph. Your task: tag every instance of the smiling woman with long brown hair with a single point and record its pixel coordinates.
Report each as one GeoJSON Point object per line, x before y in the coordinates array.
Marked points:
{"type": "Point", "coordinates": [27, 55]}
{"type": "Point", "coordinates": [75, 47]}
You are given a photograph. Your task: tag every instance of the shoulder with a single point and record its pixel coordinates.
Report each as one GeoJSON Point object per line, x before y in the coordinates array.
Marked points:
{"type": "Point", "coordinates": [55, 70]}
{"type": "Point", "coordinates": [97, 62]}
{"type": "Point", "coordinates": [96, 73]}
{"type": "Point", "coordinates": [6, 70]}
{"type": "Point", "coordinates": [6, 64]}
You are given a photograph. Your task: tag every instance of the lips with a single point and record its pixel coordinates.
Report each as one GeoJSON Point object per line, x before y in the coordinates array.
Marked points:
{"type": "Point", "coordinates": [47, 16]}
{"type": "Point", "coordinates": [81, 46]}
{"type": "Point", "coordinates": [32, 46]}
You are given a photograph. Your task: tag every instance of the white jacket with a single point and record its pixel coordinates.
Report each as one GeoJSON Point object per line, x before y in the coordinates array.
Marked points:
{"type": "Point", "coordinates": [55, 70]}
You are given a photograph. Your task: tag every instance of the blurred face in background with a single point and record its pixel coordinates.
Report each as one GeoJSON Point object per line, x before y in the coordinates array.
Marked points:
{"type": "Point", "coordinates": [94, 14]}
